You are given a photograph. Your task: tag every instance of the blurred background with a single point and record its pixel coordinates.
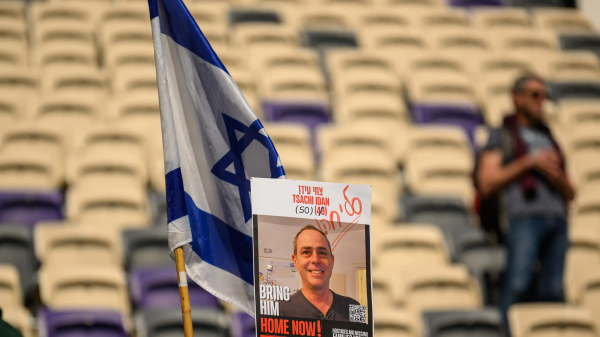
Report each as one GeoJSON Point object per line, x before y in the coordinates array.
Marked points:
{"type": "Point", "coordinates": [397, 94]}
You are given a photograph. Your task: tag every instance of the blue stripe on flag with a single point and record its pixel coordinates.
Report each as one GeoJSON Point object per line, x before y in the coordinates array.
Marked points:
{"type": "Point", "coordinates": [220, 244]}
{"type": "Point", "coordinates": [214, 241]}
{"type": "Point", "coordinates": [176, 207]}
{"type": "Point", "coordinates": [178, 23]}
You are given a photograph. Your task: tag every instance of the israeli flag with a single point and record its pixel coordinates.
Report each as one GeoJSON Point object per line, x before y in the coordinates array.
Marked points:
{"type": "Point", "coordinates": [213, 143]}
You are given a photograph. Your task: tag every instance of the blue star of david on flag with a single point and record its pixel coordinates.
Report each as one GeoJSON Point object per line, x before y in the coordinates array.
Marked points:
{"type": "Point", "coordinates": [239, 178]}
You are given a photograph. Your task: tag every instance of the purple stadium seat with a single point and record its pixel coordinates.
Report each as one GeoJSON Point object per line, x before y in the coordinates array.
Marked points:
{"type": "Point", "coordinates": [309, 113]}
{"type": "Point", "coordinates": [475, 3]}
{"type": "Point", "coordinates": [158, 288]}
{"type": "Point", "coordinates": [81, 323]}
{"type": "Point", "coordinates": [242, 325]}
{"type": "Point", "coordinates": [466, 116]}
{"type": "Point", "coordinates": [29, 207]}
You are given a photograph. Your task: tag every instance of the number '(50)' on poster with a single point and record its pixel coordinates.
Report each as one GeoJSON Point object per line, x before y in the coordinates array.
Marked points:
{"type": "Point", "coordinates": [312, 259]}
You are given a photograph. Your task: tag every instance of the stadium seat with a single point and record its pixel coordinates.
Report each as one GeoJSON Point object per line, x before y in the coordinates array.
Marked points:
{"type": "Point", "coordinates": [396, 323]}
{"type": "Point", "coordinates": [485, 262]}
{"type": "Point", "coordinates": [431, 63]}
{"type": "Point", "coordinates": [381, 108]}
{"type": "Point", "coordinates": [16, 249]}
{"type": "Point", "coordinates": [442, 288]}
{"type": "Point", "coordinates": [384, 289]}
{"type": "Point", "coordinates": [68, 111]}
{"type": "Point", "coordinates": [323, 39]}
{"type": "Point", "coordinates": [19, 82]}
{"type": "Point", "coordinates": [59, 33]}
{"type": "Point", "coordinates": [466, 116]}
{"type": "Point", "coordinates": [125, 33]}
{"type": "Point", "coordinates": [347, 84]}
{"type": "Point", "coordinates": [471, 323]}
{"type": "Point", "coordinates": [550, 319]}
{"type": "Point", "coordinates": [525, 41]}
{"type": "Point", "coordinates": [293, 84]}
{"type": "Point", "coordinates": [449, 214]}
{"type": "Point", "coordinates": [11, 295]}
{"type": "Point", "coordinates": [27, 207]}
{"type": "Point", "coordinates": [490, 19]}
{"type": "Point", "coordinates": [33, 137]}
{"type": "Point", "coordinates": [158, 289]}
{"type": "Point", "coordinates": [293, 144]}
{"type": "Point", "coordinates": [13, 55]}
{"type": "Point", "coordinates": [497, 85]}
{"type": "Point", "coordinates": [322, 17]}
{"type": "Point", "coordinates": [441, 87]}
{"type": "Point", "coordinates": [499, 63]}
{"type": "Point", "coordinates": [583, 259]}
{"type": "Point", "coordinates": [375, 169]}
{"type": "Point", "coordinates": [137, 111]}
{"type": "Point", "coordinates": [10, 11]}
{"type": "Point", "coordinates": [383, 18]}
{"type": "Point", "coordinates": [263, 35]}
{"type": "Point", "coordinates": [587, 42]}
{"type": "Point", "coordinates": [351, 61]}
{"type": "Point", "coordinates": [12, 110]}
{"type": "Point", "coordinates": [242, 325]}
{"type": "Point", "coordinates": [562, 21]}
{"type": "Point", "coordinates": [425, 139]}
{"type": "Point", "coordinates": [146, 249]}
{"type": "Point", "coordinates": [331, 138]}
{"type": "Point", "coordinates": [573, 66]}
{"type": "Point", "coordinates": [410, 247]}
{"type": "Point", "coordinates": [29, 170]}
{"type": "Point", "coordinates": [13, 31]}
{"type": "Point", "coordinates": [562, 90]}
{"type": "Point", "coordinates": [443, 18]}
{"type": "Point", "coordinates": [104, 137]}
{"type": "Point", "coordinates": [133, 80]}
{"type": "Point", "coordinates": [108, 207]}
{"type": "Point", "coordinates": [462, 43]}
{"type": "Point", "coordinates": [286, 59]}
{"type": "Point", "coordinates": [64, 246]}
{"type": "Point", "coordinates": [66, 55]}
{"type": "Point", "coordinates": [85, 287]}
{"type": "Point", "coordinates": [76, 82]}
{"type": "Point", "coordinates": [252, 16]}
{"type": "Point", "coordinates": [57, 11]}
{"type": "Point", "coordinates": [125, 12]}
{"type": "Point", "coordinates": [309, 113]}
{"type": "Point", "coordinates": [575, 112]}
{"type": "Point", "coordinates": [126, 56]}
{"type": "Point", "coordinates": [90, 322]}
{"type": "Point", "coordinates": [168, 322]}
{"type": "Point", "coordinates": [586, 295]}
{"type": "Point", "coordinates": [393, 40]}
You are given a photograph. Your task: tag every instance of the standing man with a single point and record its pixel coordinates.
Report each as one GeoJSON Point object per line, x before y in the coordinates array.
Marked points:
{"type": "Point", "coordinates": [524, 166]}
{"type": "Point", "coordinates": [313, 259]}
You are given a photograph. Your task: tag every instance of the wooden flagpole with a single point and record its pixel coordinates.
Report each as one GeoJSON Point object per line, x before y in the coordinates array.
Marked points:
{"type": "Point", "coordinates": [188, 329]}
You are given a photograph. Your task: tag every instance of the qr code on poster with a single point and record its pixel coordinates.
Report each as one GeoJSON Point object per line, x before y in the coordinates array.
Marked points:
{"type": "Point", "coordinates": [358, 313]}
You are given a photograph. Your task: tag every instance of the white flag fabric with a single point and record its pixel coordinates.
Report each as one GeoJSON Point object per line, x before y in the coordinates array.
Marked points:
{"type": "Point", "coordinates": [213, 143]}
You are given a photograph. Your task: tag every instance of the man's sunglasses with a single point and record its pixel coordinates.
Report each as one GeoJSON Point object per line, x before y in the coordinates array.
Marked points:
{"type": "Point", "coordinates": [537, 94]}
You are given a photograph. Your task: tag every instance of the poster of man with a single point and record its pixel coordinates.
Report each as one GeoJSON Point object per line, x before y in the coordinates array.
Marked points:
{"type": "Point", "coordinates": [312, 272]}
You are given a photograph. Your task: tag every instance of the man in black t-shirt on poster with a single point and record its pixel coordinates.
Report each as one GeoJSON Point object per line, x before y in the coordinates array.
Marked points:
{"type": "Point", "coordinates": [314, 261]}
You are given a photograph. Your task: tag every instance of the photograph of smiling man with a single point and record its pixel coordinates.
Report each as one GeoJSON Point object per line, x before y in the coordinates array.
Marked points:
{"type": "Point", "coordinates": [314, 260]}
